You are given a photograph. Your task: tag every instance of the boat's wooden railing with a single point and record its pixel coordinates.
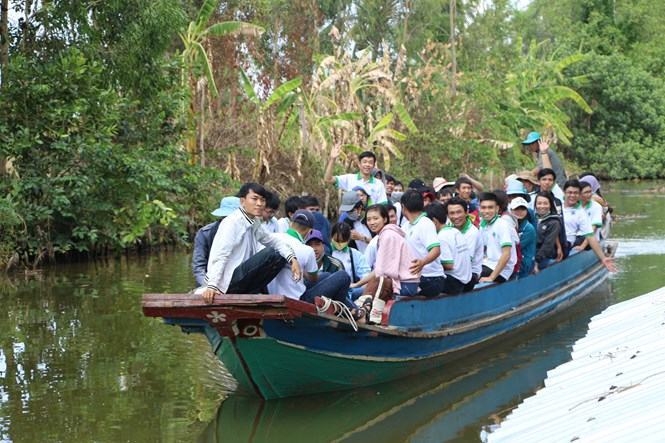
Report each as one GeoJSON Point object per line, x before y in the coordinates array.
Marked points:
{"type": "Point", "coordinates": [224, 308]}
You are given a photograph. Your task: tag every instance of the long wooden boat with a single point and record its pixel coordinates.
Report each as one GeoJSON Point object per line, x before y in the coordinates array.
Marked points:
{"type": "Point", "coordinates": [434, 406]}
{"type": "Point", "coordinates": [279, 347]}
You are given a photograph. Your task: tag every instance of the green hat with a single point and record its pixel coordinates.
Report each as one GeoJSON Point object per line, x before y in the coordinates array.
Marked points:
{"type": "Point", "coordinates": [532, 137]}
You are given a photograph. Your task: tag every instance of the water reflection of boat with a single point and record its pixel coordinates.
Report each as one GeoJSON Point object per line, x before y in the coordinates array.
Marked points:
{"type": "Point", "coordinates": [433, 406]}
{"type": "Point", "coordinates": [279, 347]}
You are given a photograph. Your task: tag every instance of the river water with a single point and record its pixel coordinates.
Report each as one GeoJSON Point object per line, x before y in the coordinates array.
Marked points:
{"type": "Point", "coordinates": [79, 362]}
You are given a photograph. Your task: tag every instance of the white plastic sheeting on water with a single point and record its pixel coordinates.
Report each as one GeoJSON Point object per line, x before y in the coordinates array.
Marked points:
{"type": "Point", "coordinates": [613, 390]}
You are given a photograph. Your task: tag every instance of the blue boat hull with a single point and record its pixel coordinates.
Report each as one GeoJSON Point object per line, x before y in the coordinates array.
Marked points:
{"type": "Point", "coordinates": [309, 354]}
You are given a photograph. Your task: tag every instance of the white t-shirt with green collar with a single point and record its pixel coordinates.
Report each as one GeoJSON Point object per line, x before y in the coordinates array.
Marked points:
{"type": "Point", "coordinates": [474, 242]}
{"type": "Point", "coordinates": [496, 235]}
{"type": "Point", "coordinates": [576, 222]}
{"type": "Point", "coordinates": [374, 187]}
{"type": "Point", "coordinates": [595, 213]}
{"type": "Point", "coordinates": [454, 251]}
{"type": "Point", "coordinates": [283, 283]}
{"type": "Point", "coordinates": [421, 237]}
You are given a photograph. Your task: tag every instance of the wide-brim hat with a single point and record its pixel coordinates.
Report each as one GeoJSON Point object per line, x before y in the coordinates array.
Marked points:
{"type": "Point", "coordinates": [226, 206]}
{"type": "Point", "coordinates": [527, 176]}
{"type": "Point", "coordinates": [349, 201]}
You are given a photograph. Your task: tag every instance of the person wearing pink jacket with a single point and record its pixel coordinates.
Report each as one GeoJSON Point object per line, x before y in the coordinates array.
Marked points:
{"type": "Point", "coordinates": [391, 275]}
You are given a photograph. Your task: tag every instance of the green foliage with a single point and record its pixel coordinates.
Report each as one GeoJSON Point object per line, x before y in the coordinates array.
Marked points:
{"type": "Point", "coordinates": [623, 138]}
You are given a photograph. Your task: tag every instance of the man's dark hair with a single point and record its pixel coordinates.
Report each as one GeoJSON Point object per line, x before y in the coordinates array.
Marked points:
{"type": "Point", "coordinates": [550, 197]}
{"type": "Point", "coordinates": [272, 201]}
{"type": "Point", "coordinates": [292, 204]}
{"type": "Point", "coordinates": [390, 178]}
{"type": "Point", "coordinates": [412, 200]}
{"type": "Point", "coordinates": [367, 154]}
{"type": "Point", "coordinates": [341, 230]}
{"type": "Point", "coordinates": [446, 190]}
{"type": "Point", "coordinates": [484, 196]}
{"type": "Point", "coordinates": [546, 171]}
{"type": "Point", "coordinates": [457, 201]}
{"type": "Point", "coordinates": [463, 181]}
{"type": "Point", "coordinates": [572, 183]}
{"type": "Point", "coordinates": [255, 187]}
{"type": "Point", "coordinates": [309, 200]}
{"type": "Point", "coordinates": [437, 211]}
{"type": "Point", "coordinates": [501, 199]}
{"type": "Point", "coordinates": [584, 184]}
{"type": "Point", "coordinates": [397, 182]}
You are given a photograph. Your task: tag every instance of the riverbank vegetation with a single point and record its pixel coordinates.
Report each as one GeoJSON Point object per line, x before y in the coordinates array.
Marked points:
{"type": "Point", "coordinates": [122, 123]}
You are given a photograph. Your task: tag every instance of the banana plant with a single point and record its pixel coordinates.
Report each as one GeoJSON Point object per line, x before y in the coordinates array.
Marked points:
{"type": "Point", "coordinates": [197, 72]}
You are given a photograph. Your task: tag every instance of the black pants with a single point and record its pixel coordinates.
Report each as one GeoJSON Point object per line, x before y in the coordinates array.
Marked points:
{"type": "Point", "coordinates": [453, 286]}
{"type": "Point", "coordinates": [253, 275]}
{"type": "Point", "coordinates": [488, 271]}
{"type": "Point", "coordinates": [431, 286]}
{"type": "Point", "coordinates": [472, 283]}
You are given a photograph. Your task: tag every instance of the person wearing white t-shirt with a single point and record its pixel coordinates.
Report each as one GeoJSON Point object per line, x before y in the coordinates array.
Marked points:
{"type": "Point", "coordinates": [593, 209]}
{"type": "Point", "coordinates": [334, 286]}
{"type": "Point", "coordinates": [579, 232]}
{"type": "Point", "coordinates": [424, 243]}
{"type": "Point", "coordinates": [366, 162]}
{"type": "Point", "coordinates": [459, 218]}
{"type": "Point", "coordinates": [498, 240]}
{"type": "Point", "coordinates": [455, 257]}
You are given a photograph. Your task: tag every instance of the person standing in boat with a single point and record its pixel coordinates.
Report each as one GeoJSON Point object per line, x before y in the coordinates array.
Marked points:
{"type": "Point", "coordinates": [334, 286]}
{"type": "Point", "coordinates": [500, 248]}
{"type": "Point", "coordinates": [545, 157]}
{"type": "Point", "coordinates": [205, 236]}
{"type": "Point", "coordinates": [455, 254]}
{"type": "Point", "coordinates": [364, 178]}
{"type": "Point", "coordinates": [421, 237]}
{"type": "Point", "coordinates": [234, 267]}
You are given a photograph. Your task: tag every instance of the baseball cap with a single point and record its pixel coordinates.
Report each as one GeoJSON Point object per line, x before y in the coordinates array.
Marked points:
{"type": "Point", "coordinates": [349, 201]}
{"type": "Point", "coordinates": [532, 137]}
{"type": "Point", "coordinates": [314, 234]}
{"type": "Point", "coordinates": [518, 202]}
{"type": "Point", "coordinates": [440, 183]}
{"type": "Point", "coordinates": [303, 217]}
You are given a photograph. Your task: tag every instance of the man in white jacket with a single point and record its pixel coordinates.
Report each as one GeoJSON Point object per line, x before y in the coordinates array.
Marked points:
{"type": "Point", "coordinates": [234, 267]}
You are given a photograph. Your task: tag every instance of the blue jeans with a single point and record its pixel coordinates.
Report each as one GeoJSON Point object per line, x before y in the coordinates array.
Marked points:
{"type": "Point", "coordinates": [408, 288]}
{"type": "Point", "coordinates": [334, 286]}
{"type": "Point", "coordinates": [542, 264]}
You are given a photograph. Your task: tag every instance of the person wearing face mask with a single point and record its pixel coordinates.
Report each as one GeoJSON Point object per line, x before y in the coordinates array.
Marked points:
{"type": "Point", "coordinates": [354, 262]}
{"type": "Point", "coordinates": [352, 212]}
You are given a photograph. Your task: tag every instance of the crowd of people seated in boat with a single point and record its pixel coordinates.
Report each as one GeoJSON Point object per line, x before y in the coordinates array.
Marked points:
{"type": "Point", "coordinates": [389, 241]}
